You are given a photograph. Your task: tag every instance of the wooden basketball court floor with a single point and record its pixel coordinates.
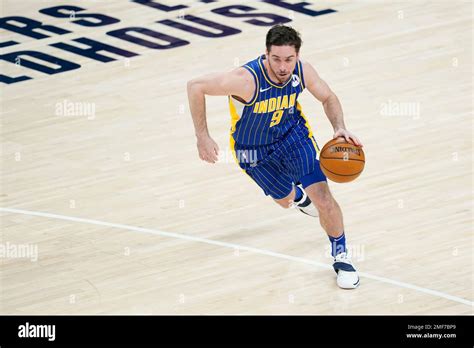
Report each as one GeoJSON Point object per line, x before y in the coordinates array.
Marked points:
{"type": "Point", "coordinates": [116, 214]}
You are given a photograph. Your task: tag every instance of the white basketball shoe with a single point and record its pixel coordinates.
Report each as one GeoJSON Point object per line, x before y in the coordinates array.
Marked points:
{"type": "Point", "coordinates": [305, 205]}
{"type": "Point", "coordinates": [347, 277]}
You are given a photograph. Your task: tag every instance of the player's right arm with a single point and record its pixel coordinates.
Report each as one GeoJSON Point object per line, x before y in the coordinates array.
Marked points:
{"type": "Point", "coordinates": [238, 82]}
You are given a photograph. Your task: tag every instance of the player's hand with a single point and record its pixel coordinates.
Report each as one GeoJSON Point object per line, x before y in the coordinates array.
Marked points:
{"type": "Point", "coordinates": [350, 137]}
{"type": "Point", "coordinates": [207, 148]}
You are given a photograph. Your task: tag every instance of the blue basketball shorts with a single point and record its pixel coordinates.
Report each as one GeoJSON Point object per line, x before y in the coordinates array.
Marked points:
{"type": "Point", "coordinates": [276, 167]}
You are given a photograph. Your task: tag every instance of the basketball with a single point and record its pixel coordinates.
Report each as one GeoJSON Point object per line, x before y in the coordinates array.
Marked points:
{"type": "Point", "coordinates": [341, 161]}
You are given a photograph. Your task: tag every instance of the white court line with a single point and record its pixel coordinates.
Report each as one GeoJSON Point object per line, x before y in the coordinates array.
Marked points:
{"type": "Point", "coordinates": [240, 247]}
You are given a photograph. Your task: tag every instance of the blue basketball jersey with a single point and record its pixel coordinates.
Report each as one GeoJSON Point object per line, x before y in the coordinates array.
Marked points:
{"type": "Point", "coordinates": [273, 110]}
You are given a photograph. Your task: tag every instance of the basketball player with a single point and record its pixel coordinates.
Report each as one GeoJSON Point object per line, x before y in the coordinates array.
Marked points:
{"type": "Point", "coordinates": [271, 138]}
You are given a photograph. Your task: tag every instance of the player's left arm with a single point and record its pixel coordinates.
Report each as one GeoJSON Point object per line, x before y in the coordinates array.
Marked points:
{"type": "Point", "coordinates": [332, 107]}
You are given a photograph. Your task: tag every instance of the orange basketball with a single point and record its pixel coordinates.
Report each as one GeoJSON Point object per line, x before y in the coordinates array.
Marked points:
{"type": "Point", "coordinates": [341, 161]}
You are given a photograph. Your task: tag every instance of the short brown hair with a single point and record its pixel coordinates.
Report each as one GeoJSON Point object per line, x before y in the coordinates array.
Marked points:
{"type": "Point", "coordinates": [282, 35]}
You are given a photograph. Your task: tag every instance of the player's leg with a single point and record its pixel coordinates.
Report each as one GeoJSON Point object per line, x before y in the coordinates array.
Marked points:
{"type": "Point", "coordinates": [331, 220]}
{"type": "Point", "coordinates": [303, 163]}
{"type": "Point", "coordinates": [330, 214]}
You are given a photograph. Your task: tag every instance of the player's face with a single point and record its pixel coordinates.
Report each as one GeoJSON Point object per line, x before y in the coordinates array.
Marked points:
{"type": "Point", "coordinates": [282, 61]}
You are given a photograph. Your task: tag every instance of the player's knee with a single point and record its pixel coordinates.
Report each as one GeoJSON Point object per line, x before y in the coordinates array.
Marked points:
{"type": "Point", "coordinates": [324, 200]}
{"type": "Point", "coordinates": [284, 203]}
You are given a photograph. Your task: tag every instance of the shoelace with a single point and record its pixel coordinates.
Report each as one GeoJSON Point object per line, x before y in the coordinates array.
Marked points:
{"type": "Point", "coordinates": [343, 257]}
